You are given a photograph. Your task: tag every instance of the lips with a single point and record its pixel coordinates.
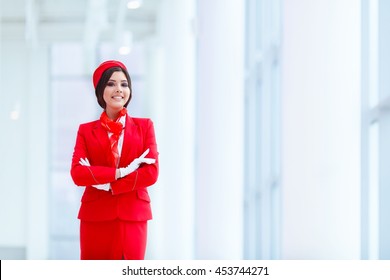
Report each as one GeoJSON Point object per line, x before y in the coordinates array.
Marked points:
{"type": "Point", "coordinates": [117, 97]}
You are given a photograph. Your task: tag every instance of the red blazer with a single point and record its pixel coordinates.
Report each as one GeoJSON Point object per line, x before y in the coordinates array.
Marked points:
{"type": "Point", "coordinates": [128, 198]}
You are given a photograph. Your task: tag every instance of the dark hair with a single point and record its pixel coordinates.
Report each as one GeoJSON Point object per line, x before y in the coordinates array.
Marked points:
{"type": "Point", "coordinates": [103, 82]}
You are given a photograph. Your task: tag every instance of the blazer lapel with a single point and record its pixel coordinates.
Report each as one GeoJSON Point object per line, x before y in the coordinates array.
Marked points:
{"type": "Point", "coordinates": [130, 142]}
{"type": "Point", "coordinates": [102, 137]}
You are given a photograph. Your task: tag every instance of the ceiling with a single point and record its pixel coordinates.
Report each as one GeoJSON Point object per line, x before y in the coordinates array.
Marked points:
{"type": "Point", "coordinates": [73, 20]}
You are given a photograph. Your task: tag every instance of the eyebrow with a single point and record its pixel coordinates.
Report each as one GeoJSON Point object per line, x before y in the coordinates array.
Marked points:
{"type": "Point", "coordinates": [112, 80]}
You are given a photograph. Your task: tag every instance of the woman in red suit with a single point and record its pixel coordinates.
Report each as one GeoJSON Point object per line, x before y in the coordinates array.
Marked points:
{"type": "Point", "coordinates": [116, 159]}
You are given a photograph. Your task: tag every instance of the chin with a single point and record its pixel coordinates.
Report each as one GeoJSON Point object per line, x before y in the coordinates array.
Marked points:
{"type": "Point", "coordinates": [116, 106]}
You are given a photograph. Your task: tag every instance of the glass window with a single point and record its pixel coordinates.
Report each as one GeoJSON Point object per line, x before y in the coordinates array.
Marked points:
{"type": "Point", "coordinates": [262, 105]}
{"type": "Point", "coordinates": [72, 102]}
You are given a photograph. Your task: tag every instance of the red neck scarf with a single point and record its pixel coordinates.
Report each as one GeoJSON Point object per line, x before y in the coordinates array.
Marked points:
{"type": "Point", "coordinates": [115, 127]}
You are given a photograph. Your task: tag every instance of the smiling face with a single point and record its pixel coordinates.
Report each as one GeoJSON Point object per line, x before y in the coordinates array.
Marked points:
{"type": "Point", "coordinates": [116, 92]}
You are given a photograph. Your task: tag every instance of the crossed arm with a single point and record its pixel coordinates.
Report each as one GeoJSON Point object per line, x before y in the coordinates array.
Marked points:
{"type": "Point", "coordinates": [123, 171]}
{"type": "Point", "coordinates": [140, 173]}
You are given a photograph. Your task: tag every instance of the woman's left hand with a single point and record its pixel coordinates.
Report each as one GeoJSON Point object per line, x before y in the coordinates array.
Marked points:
{"type": "Point", "coordinates": [104, 187]}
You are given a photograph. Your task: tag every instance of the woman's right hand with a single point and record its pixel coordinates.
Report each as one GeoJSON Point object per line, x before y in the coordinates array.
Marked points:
{"type": "Point", "coordinates": [124, 171]}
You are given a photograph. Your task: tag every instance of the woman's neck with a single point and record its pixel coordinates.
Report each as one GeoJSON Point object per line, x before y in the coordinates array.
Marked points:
{"type": "Point", "coordinates": [112, 114]}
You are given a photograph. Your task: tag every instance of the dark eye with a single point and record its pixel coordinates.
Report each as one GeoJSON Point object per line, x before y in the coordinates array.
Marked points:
{"type": "Point", "coordinates": [110, 84]}
{"type": "Point", "coordinates": [125, 85]}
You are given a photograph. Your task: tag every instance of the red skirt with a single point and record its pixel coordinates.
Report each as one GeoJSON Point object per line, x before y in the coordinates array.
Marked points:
{"type": "Point", "coordinates": [113, 240]}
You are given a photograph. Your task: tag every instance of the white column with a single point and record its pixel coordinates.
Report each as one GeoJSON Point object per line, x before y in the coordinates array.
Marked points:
{"type": "Point", "coordinates": [321, 130]}
{"type": "Point", "coordinates": [24, 151]}
{"type": "Point", "coordinates": [38, 145]}
{"type": "Point", "coordinates": [171, 91]}
{"type": "Point", "coordinates": [13, 148]}
{"type": "Point", "coordinates": [220, 130]}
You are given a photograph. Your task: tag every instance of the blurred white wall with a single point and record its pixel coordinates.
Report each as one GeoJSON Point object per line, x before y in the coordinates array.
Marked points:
{"type": "Point", "coordinates": [24, 150]}
{"type": "Point", "coordinates": [321, 130]}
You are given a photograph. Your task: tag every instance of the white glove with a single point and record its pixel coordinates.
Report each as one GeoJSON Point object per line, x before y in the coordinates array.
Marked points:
{"type": "Point", "coordinates": [104, 187]}
{"type": "Point", "coordinates": [124, 171]}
